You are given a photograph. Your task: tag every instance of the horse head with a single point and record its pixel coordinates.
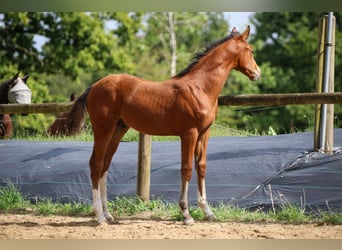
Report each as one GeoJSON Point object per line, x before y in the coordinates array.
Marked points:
{"type": "Point", "coordinates": [14, 90]}
{"type": "Point", "coordinates": [18, 91]}
{"type": "Point", "coordinates": [245, 62]}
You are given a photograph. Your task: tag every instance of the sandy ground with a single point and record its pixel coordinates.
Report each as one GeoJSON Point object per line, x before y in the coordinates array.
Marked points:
{"type": "Point", "coordinates": [28, 226]}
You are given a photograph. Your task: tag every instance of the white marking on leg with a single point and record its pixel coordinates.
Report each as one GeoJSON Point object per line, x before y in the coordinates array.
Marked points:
{"type": "Point", "coordinates": [103, 193]}
{"type": "Point", "coordinates": [98, 206]}
{"type": "Point", "coordinates": [183, 204]}
{"type": "Point", "coordinates": [202, 201]}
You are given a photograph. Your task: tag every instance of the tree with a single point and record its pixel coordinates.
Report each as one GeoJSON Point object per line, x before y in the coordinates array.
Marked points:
{"type": "Point", "coordinates": [17, 31]}
{"type": "Point", "coordinates": [75, 41]}
{"type": "Point", "coordinates": [173, 43]}
{"type": "Point", "coordinates": [187, 32]}
{"type": "Point", "coordinates": [286, 49]}
{"type": "Point", "coordinates": [76, 44]}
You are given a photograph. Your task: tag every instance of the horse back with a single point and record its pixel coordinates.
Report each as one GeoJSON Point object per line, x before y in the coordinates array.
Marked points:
{"type": "Point", "coordinates": [157, 108]}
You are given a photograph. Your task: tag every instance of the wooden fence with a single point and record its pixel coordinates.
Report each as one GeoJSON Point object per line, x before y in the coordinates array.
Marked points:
{"type": "Point", "coordinates": [230, 100]}
{"type": "Point", "coordinates": [144, 155]}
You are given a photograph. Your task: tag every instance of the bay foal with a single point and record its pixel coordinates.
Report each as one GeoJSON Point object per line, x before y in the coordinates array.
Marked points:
{"type": "Point", "coordinates": [184, 105]}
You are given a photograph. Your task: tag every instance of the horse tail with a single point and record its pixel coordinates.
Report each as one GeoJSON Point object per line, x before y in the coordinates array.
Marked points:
{"type": "Point", "coordinates": [76, 117]}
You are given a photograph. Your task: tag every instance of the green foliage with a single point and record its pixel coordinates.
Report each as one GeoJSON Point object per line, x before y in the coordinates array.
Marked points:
{"type": "Point", "coordinates": [330, 217]}
{"type": "Point", "coordinates": [17, 48]}
{"type": "Point", "coordinates": [133, 205]}
{"type": "Point", "coordinates": [232, 213]}
{"type": "Point", "coordinates": [78, 43]}
{"type": "Point", "coordinates": [47, 207]}
{"type": "Point", "coordinates": [291, 213]}
{"type": "Point", "coordinates": [11, 199]}
{"type": "Point", "coordinates": [193, 32]}
{"type": "Point", "coordinates": [77, 48]}
{"type": "Point", "coordinates": [286, 49]}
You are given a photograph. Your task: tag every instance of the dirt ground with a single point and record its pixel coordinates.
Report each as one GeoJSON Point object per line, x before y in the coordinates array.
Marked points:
{"type": "Point", "coordinates": [28, 226]}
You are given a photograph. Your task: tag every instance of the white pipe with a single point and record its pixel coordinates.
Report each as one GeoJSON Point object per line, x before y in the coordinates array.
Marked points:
{"type": "Point", "coordinates": [326, 70]}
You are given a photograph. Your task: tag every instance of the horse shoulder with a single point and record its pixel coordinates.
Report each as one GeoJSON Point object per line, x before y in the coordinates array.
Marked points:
{"type": "Point", "coordinates": [194, 101]}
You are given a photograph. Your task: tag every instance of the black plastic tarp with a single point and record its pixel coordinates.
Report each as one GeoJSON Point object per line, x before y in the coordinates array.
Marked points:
{"type": "Point", "coordinates": [260, 171]}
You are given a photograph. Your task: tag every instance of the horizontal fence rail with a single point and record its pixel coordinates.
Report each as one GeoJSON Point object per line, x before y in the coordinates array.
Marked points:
{"type": "Point", "coordinates": [230, 100]}
{"type": "Point", "coordinates": [35, 108]}
{"type": "Point", "coordinates": [281, 99]}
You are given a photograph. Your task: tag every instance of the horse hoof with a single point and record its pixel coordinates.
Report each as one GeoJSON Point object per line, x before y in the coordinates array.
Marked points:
{"type": "Point", "coordinates": [189, 221]}
{"type": "Point", "coordinates": [101, 220]}
{"type": "Point", "coordinates": [110, 220]}
{"type": "Point", "coordinates": [109, 217]}
{"type": "Point", "coordinates": [210, 217]}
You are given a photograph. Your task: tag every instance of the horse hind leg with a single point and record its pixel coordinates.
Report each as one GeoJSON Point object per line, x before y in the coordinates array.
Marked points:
{"type": "Point", "coordinates": [103, 196]}
{"type": "Point", "coordinates": [96, 166]}
{"type": "Point", "coordinates": [120, 131]}
{"type": "Point", "coordinates": [96, 163]}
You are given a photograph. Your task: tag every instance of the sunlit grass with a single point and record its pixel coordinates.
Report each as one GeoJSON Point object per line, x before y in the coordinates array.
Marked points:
{"type": "Point", "coordinates": [131, 136]}
{"type": "Point", "coordinates": [12, 201]}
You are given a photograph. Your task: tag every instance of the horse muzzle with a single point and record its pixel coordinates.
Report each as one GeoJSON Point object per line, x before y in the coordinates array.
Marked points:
{"type": "Point", "coordinates": [20, 96]}
{"type": "Point", "coordinates": [255, 75]}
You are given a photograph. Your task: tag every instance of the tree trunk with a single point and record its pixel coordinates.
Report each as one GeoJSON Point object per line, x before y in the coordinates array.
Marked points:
{"type": "Point", "coordinates": [173, 43]}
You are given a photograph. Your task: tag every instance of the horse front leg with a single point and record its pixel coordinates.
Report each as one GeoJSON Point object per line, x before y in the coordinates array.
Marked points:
{"type": "Point", "coordinates": [200, 164]}
{"type": "Point", "coordinates": [188, 146]}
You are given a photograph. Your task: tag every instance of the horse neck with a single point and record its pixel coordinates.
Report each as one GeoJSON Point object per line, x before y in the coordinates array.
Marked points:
{"type": "Point", "coordinates": [211, 73]}
{"type": "Point", "coordinates": [4, 93]}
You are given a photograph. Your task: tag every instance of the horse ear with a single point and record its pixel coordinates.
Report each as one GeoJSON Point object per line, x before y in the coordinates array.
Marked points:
{"type": "Point", "coordinates": [25, 78]}
{"type": "Point", "coordinates": [245, 34]}
{"type": "Point", "coordinates": [14, 80]}
{"type": "Point", "coordinates": [72, 97]}
{"type": "Point", "coordinates": [234, 30]}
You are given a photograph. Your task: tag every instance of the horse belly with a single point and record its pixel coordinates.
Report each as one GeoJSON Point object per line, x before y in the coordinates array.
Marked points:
{"type": "Point", "coordinates": [172, 120]}
{"type": "Point", "coordinates": [152, 124]}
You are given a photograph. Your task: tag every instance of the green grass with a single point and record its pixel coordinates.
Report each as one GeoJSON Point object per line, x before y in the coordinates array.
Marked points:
{"type": "Point", "coordinates": [131, 136]}
{"type": "Point", "coordinates": [12, 201]}
{"type": "Point", "coordinates": [47, 207]}
{"type": "Point", "coordinates": [83, 137]}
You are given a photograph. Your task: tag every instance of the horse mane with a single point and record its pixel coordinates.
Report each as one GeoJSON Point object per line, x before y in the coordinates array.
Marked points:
{"type": "Point", "coordinates": [199, 55]}
{"type": "Point", "coordinates": [4, 86]}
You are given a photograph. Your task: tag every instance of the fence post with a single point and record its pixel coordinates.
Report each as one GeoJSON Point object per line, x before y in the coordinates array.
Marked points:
{"type": "Point", "coordinates": [324, 113]}
{"type": "Point", "coordinates": [319, 80]}
{"type": "Point", "coordinates": [144, 166]}
{"type": "Point", "coordinates": [329, 144]}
